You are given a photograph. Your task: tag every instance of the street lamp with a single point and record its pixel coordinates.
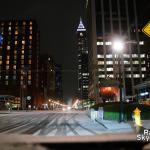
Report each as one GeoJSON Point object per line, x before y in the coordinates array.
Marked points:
{"type": "Point", "coordinates": [118, 46]}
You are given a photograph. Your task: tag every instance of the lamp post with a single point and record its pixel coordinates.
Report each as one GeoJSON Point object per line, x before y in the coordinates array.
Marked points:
{"type": "Point", "coordinates": [118, 46]}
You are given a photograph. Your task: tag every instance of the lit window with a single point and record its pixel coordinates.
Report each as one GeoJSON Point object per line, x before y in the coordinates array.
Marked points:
{"type": "Point", "coordinates": [29, 72]}
{"type": "Point", "coordinates": [99, 43]}
{"type": "Point", "coordinates": [2, 24]}
{"type": "Point", "coordinates": [100, 56]}
{"type": "Point", "coordinates": [108, 43]}
{"type": "Point", "coordinates": [136, 76]}
{"type": "Point", "coordinates": [29, 61]}
{"type": "Point", "coordinates": [134, 55]}
{"type": "Point", "coordinates": [128, 69]}
{"type": "Point", "coordinates": [101, 76]}
{"type": "Point", "coordinates": [9, 28]}
{"type": "Point", "coordinates": [7, 67]}
{"type": "Point", "coordinates": [111, 76]}
{"type": "Point", "coordinates": [23, 42]}
{"type": "Point", "coordinates": [135, 62]}
{"type": "Point", "coordinates": [143, 75]}
{"type": "Point", "coordinates": [8, 57]}
{"type": "Point", "coordinates": [22, 51]}
{"type": "Point", "coordinates": [22, 56]}
{"type": "Point", "coordinates": [128, 75]}
{"type": "Point", "coordinates": [6, 77]}
{"type": "Point", "coordinates": [7, 62]}
{"type": "Point", "coordinates": [15, 52]}
{"type": "Point", "coordinates": [30, 27]}
{"type": "Point", "coordinates": [109, 69]}
{"type": "Point", "coordinates": [109, 62]}
{"type": "Point", "coordinates": [0, 57]}
{"type": "Point", "coordinates": [109, 56]}
{"type": "Point", "coordinates": [141, 43]}
{"type": "Point", "coordinates": [85, 74]}
{"type": "Point", "coordinates": [29, 77]}
{"type": "Point", "coordinates": [30, 22]}
{"type": "Point", "coordinates": [100, 62]}
{"type": "Point", "coordinates": [79, 66]}
{"type": "Point", "coordinates": [30, 31]}
{"type": "Point", "coordinates": [24, 23]}
{"type": "Point", "coordinates": [29, 82]}
{"type": "Point", "coordinates": [30, 37]}
{"type": "Point", "coordinates": [143, 69]}
{"type": "Point", "coordinates": [142, 55]}
{"type": "Point", "coordinates": [126, 62]}
{"type": "Point", "coordinates": [126, 55]}
{"type": "Point", "coordinates": [14, 67]}
{"type": "Point", "coordinates": [8, 47]}
{"type": "Point", "coordinates": [81, 34]}
{"type": "Point", "coordinates": [23, 46]}
{"type": "Point", "coordinates": [21, 77]}
{"type": "Point", "coordinates": [0, 62]}
{"type": "Point", "coordinates": [101, 69]}
{"type": "Point", "coordinates": [16, 32]}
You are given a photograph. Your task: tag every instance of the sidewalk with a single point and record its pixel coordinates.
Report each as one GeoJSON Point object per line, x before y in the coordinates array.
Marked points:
{"type": "Point", "coordinates": [114, 125]}
{"type": "Point", "coordinates": [124, 126]}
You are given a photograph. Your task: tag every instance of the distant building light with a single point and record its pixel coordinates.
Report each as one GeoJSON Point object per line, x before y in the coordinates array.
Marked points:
{"type": "Point", "coordinates": [100, 56]}
{"type": "Point", "coordinates": [141, 43]}
{"type": "Point", "coordinates": [81, 26]}
{"type": "Point", "coordinates": [109, 56]}
{"type": "Point", "coordinates": [108, 43]}
{"type": "Point", "coordinates": [144, 94]}
{"type": "Point", "coordinates": [99, 43]}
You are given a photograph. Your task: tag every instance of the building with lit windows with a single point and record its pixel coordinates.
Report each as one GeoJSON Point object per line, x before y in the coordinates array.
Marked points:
{"type": "Point", "coordinates": [83, 73]}
{"type": "Point", "coordinates": [108, 20]}
{"type": "Point", "coordinates": [19, 61]}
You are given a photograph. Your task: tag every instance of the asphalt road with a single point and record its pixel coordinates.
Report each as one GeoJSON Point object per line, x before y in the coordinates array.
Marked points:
{"type": "Point", "coordinates": [48, 123]}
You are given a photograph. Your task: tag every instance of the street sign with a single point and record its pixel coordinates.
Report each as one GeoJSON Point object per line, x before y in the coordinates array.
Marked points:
{"type": "Point", "coordinates": [146, 29]}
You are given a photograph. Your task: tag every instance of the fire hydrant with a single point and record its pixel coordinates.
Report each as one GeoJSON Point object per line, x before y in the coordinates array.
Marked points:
{"type": "Point", "coordinates": [137, 118]}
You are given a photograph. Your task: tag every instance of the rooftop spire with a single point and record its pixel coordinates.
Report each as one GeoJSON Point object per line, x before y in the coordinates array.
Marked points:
{"type": "Point", "coordinates": [81, 26]}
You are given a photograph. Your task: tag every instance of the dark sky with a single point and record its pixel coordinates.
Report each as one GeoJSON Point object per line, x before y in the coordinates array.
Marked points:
{"type": "Point", "coordinates": [57, 21]}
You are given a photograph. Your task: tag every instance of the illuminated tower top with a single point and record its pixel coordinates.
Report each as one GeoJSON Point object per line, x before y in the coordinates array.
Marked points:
{"type": "Point", "coordinates": [81, 26]}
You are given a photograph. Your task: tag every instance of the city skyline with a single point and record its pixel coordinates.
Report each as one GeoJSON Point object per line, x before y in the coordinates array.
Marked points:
{"type": "Point", "coordinates": [57, 22]}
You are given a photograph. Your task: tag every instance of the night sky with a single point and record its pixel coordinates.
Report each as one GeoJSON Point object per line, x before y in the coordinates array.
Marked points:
{"type": "Point", "coordinates": [57, 21]}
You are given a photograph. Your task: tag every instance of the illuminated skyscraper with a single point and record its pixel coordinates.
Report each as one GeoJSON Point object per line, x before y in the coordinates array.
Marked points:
{"type": "Point", "coordinates": [83, 74]}
{"type": "Point", "coordinates": [108, 19]}
{"type": "Point", "coordinates": [19, 61]}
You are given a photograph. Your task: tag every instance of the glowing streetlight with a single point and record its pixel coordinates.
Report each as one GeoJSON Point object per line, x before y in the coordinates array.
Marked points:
{"type": "Point", "coordinates": [118, 46]}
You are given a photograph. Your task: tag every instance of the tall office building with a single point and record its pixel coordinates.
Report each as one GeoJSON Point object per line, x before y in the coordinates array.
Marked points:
{"type": "Point", "coordinates": [58, 82]}
{"type": "Point", "coordinates": [83, 73]}
{"type": "Point", "coordinates": [19, 61]}
{"type": "Point", "coordinates": [108, 20]}
{"type": "Point", "coordinates": [47, 76]}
